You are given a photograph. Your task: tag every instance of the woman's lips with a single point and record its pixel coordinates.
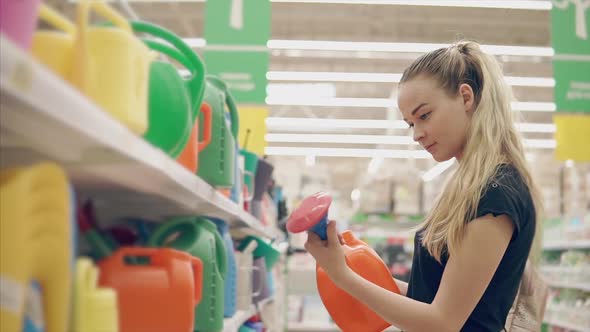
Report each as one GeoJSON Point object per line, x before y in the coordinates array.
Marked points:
{"type": "Point", "coordinates": [429, 147]}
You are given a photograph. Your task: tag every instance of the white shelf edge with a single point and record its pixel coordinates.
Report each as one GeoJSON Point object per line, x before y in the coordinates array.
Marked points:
{"type": "Point", "coordinates": [560, 323]}
{"type": "Point", "coordinates": [579, 286]}
{"type": "Point", "coordinates": [233, 324]}
{"type": "Point", "coordinates": [565, 245]}
{"type": "Point", "coordinates": [23, 78]}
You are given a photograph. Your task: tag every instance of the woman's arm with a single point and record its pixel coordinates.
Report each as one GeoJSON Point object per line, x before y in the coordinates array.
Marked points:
{"type": "Point", "coordinates": [403, 287]}
{"type": "Point", "coordinates": [466, 276]}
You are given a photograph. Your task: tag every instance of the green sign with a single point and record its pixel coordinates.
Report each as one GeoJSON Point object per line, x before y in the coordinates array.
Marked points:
{"type": "Point", "coordinates": [571, 65]}
{"type": "Point", "coordinates": [243, 71]}
{"type": "Point", "coordinates": [237, 22]}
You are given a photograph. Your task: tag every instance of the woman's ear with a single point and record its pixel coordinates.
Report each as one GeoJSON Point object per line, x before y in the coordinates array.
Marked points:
{"type": "Point", "coordinates": [468, 97]}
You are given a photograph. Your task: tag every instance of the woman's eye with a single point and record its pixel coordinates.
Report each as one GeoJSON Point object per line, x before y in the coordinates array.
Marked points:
{"type": "Point", "coordinates": [425, 116]}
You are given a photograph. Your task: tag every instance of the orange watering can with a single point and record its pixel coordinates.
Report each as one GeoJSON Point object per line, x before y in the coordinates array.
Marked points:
{"type": "Point", "coordinates": [154, 297]}
{"type": "Point", "coordinates": [348, 313]}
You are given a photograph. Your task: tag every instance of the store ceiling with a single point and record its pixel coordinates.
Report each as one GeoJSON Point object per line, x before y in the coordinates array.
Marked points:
{"type": "Point", "coordinates": [374, 23]}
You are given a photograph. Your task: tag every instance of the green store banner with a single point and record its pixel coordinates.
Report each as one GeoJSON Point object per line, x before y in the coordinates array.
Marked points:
{"type": "Point", "coordinates": [237, 22]}
{"type": "Point", "coordinates": [570, 29]}
{"type": "Point", "coordinates": [243, 71]}
{"type": "Point", "coordinates": [236, 32]}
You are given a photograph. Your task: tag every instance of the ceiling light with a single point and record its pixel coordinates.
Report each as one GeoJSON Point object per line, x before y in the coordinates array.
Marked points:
{"type": "Point", "coordinates": [344, 152]}
{"type": "Point", "coordinates": [311, 90]}
{"type": "Point", "coordinates": [293, 124]}
{"type": "Point", "coordinates": [337, 102]}
{"type": "Point", "coordinates": [385, 78]}
{"type": "Point", "coordinates": [437, 170]}
{"type": "Point", "coordinates": [355, 195]}
{"type": "Point", "coordinates": [503, 4]}
{"type": "Point", "coordinates": [375, 139]}
{"type": "Point", "coordinates": [338, 139]}
{"type": "Point", "coordinates": [327, 45]}
{"type": "Point", "coordinates": [385, 103]}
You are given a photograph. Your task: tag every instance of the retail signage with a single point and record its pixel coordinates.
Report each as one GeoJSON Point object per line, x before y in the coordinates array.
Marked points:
{"type": "Point", "coordinates": [253, 128]}
{"type": "Point", "coordinates": [243, 71]}
{"type": "Point", "coordinates": [237, 22]}
{"type": "Point", "coordinates": [570, 28]}
{"type": "Point", "coordinates": [572, 136]}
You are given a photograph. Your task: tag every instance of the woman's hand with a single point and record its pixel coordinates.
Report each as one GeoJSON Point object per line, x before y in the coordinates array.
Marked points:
{"type": "Point", "coordinates": [329, 254]}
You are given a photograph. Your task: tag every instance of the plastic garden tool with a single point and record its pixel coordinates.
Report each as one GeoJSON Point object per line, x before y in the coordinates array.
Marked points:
{"type": "Point", "coordinates": [245, 260]}
{"type": "Point", "coordinates": [250, 165]}
{"type": "Point", "coordinates": [95, 308]}
{"type": "Point", "coordinates": [18, 20]}
{"type": "Point", "coordinates": [199, 237]}
{"type": "Point", "coordinates": [55, 49]}
{"type": "Point", "coordinates": [174, 102]}
{"type": "Point", "coordinates": [346, 311]}
{"type": "Point", "coordinates": [217, 160]}
{"type": "Point", "coordinates": [158, 295]}
{"type": "Point", "coordinates": [112, 66]}
{"type": "Point", "coordinates": [263, 249]}
{"type": "Point", "coordinates": [230, 283]}
{"type": "Point", "coordinates": [189, 157]}
{"type": "Point", "coordinates": [35, 244]}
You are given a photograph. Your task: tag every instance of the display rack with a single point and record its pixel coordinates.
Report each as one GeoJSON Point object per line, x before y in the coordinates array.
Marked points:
{"type": "Point", "coordinates": [45, 118]}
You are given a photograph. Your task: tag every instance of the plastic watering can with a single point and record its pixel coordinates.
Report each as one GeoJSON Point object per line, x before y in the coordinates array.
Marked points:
{"type": "Point", "coordinates": [174, 102]}
{"type": "Point", "coordinates": [347, 312]}
{"type": "Point", "coordinates": [230, 285]}
{"type": "Point", "coordinates": [246, 268]}
{"type": "Point", "coordinates": [55, 49]}
{"type": "Point", "coordinates": [217, 159]}
{"type": "Point", "coordinates": [95, 309]}
{"type": "Point", "coordinates": [263, 249]}
{"type": "Point", "coordinates": [169, 290]}
{"type": "Point", "coordinates": [199, 237]}
{"type": "Point", "coordinates": [112, 66]}
{"type": "Point", "coordinates": [250, 165]}
{"type": "Point", "coordinates": [18, 20]}
{"type": "Point", "coordinates": [35, 244]}
{"type": "Point", "coordinates": [189, 157]}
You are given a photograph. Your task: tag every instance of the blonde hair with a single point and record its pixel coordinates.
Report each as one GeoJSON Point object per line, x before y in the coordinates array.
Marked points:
{"type": "Point", "coordinates": [492, 140]}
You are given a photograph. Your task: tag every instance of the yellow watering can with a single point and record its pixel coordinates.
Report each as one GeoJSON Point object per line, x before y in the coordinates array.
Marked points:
{"type": "Point", "coordinates": [35, 244]}
{"type": "Point", "coordinates": [55, 49]}
{"type": "Point", "coordinates": [112, 66]}
{"type": "Point", "coordinates": [95, 309]}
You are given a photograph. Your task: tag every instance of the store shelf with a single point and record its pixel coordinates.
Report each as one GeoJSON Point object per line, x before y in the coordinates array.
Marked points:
{"type": "Point", "coordinates": [566, 245]}
{"type": "Point", "coordinates": [44, 118]}
{"type": "Point", "coordinates": [580, 286]}
{"type": "Point", "coordinates": [306, 327]}
{"type": "Point", "coordinates": [567, 325]}
{"type": "Point", "coordinates": [234, 323]}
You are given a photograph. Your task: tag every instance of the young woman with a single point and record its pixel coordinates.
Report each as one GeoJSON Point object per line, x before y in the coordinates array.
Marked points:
{"type": "Point", "coordinates": [471, 250]}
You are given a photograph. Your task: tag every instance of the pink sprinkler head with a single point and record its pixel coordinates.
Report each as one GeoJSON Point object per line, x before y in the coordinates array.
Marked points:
{"type": "Point", "coordinates": [312, 215]}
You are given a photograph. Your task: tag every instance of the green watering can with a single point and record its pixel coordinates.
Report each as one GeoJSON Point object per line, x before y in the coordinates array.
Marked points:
{"type": "Point", "coordinates": [199, 237]}
{"type": "Point", "coordinates": [217, 160]}
{"type": "Point", "coordinates": [173, 101]}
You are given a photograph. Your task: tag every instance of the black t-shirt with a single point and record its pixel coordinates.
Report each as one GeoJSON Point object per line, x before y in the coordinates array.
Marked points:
{"type": "Point", "coordinates": [505, 194]}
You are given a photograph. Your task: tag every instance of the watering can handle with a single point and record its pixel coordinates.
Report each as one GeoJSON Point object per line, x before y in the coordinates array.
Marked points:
{"type": "Point", "coordinates": [183, 54]}
{"type": "Point", "coordinates": [231, 105]}
{"type": "Point", "coordinates": [220, 253]}
{"type": "Point", "coordinates": [120, 254]}
{"type": "Point", "coordinates": [82, 22]}
{"type": "Point", "coordinates": [198, 278]}
{"type": "Point", "coordinates": [207, 116]}
{"type": "Point", "coordinates": [56, 20]}
{"type": "Point", "coordinates": [161, 233]}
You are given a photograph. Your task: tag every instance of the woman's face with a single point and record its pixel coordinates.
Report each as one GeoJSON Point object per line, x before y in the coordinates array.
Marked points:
{"type": "Point", "coordinates": [439, 122]}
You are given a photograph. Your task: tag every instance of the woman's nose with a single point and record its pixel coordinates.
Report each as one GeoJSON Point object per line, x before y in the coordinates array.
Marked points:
{"type": "Point", "coordinates": [418, 134]}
